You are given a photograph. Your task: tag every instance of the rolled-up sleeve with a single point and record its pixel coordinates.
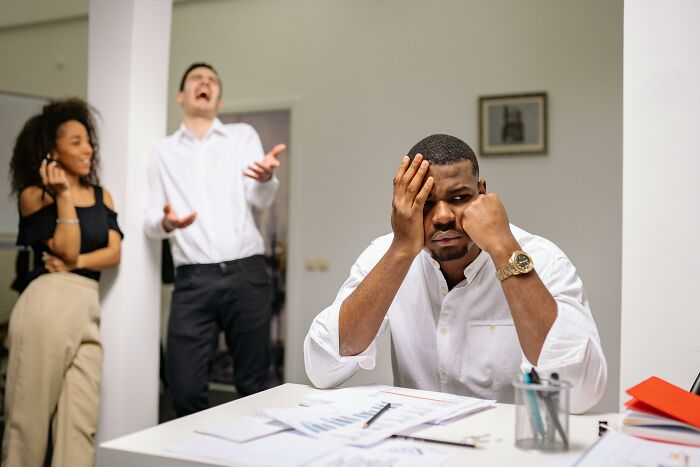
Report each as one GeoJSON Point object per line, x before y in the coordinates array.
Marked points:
{"type": "Point", "coordinates": [572, 347]}
{"type": "Point", "coordinates": [325, 367]}
{"type": "Point", "coordinates": [259, 194]}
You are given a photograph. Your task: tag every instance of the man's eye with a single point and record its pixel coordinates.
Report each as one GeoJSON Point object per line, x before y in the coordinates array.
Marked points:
{"type": "Point", "coordinates": [459, 198]}
{"type": "Point", "coordinates": [428, 205]}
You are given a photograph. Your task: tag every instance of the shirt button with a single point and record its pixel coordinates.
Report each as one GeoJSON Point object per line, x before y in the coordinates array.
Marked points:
{"type": "Point", "coordinates": [442, 371]}
{"type": "Point", "coordinates": [443, 331]}
{"type": "Point", "coordinates": [443, 289]}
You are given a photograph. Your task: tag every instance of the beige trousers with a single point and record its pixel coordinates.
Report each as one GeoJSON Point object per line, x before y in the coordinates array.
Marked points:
{"type": "Point", "coordinates": [54, 373]}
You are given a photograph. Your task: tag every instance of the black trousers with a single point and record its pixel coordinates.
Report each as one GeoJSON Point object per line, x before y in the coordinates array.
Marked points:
{"type": "Point", "coordinates": [234, 296]}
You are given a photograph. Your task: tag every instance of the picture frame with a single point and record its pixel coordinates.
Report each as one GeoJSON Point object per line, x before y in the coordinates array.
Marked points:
{"type": "Point", "coordinates": [513, 124]}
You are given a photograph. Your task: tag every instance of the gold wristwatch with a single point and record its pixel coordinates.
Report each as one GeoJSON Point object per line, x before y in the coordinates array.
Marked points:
{"type": "Point", "coordinates": [519, 263]}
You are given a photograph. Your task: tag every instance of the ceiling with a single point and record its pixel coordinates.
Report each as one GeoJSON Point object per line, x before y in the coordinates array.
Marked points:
{"type": "Point", "coordinates": [22, 13]}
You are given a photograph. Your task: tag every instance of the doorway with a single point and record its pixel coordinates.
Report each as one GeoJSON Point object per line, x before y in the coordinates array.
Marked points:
{"type": "Point", "coordinates": [273, 127]}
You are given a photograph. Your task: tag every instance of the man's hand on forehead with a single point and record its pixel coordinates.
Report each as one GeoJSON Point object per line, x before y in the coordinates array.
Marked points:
{"type": "Point", "coordinates": [411, 189]}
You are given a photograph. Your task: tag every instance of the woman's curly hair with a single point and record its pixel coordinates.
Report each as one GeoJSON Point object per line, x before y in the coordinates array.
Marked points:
{"type": "Point", "coordinates": [38, 138]}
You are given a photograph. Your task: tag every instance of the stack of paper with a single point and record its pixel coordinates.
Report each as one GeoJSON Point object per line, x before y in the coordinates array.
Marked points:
{"type": "Point", "coordinates": [286, 449]}
{"type": "Point", "coordinates": [661, 411]}
{"type": "Point", "coordinates": [330, 426]}
{"type": "Point", "coordinates": [455, 406]}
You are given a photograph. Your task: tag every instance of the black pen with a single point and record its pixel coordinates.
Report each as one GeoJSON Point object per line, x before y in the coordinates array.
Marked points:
{"type": "Point", "coordinates": [553, 406]}
{"type": "Point", "coordinates": [438, 441]}
{"type": "Point", "coordinates": [696, 386]}
{"type": "Point", "coordinates": [376, 415]}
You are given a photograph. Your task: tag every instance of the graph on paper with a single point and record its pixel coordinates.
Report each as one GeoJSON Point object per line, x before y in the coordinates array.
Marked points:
{"type": "Point", "coordinates": [454, 406]}
{"type": "Point", "coordinates": [343, 421]}
{"type": "Point", "coordinates": [390, 453]}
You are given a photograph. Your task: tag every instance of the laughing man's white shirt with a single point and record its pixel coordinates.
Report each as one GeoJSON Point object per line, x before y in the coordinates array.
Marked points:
{"type": "Point", "coordinates": [206, 176]}
{"type": "Point", "coordinates": [463, 341]}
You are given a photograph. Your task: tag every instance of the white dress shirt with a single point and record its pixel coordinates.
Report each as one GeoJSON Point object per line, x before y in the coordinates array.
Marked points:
{"type": "Point", "coordinates": [463, 341]}
{"type": "Point", "coordinates": [206, 176]}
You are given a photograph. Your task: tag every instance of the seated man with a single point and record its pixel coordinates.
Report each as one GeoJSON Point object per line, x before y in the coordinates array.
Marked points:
{"type": "Point", "coordinates": [471, 301]}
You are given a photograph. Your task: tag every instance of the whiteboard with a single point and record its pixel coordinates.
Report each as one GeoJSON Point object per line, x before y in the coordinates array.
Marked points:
{"type": "Point", "coordinates": [15, 110]}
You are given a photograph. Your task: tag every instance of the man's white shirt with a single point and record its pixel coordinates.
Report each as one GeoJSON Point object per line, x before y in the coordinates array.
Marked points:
{"type": "Point", "coordinates": [463, 341]}
{"type": "Point", "coordinates": [206, 176]}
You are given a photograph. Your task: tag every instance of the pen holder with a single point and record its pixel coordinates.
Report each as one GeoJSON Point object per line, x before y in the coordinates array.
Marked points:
{"type": "Point", "coordinates": [542, 416]}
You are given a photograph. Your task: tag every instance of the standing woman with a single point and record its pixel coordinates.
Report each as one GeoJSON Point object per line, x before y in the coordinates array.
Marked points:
{"type": "Point", "coordinates": [68, 220]}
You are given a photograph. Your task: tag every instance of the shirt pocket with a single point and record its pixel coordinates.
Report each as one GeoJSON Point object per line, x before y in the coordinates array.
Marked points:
{"type": "Point", "coordinates": [493, 356]}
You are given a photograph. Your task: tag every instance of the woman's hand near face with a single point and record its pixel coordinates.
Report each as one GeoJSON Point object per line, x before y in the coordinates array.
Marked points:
{"type": "Point", "coordinates": [66, 239]}
{"type": "Point", "coordinates": [54, 177]}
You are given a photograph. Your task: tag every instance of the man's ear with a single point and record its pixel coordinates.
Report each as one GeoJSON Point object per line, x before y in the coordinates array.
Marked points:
{"type": "Point", "coordinates": [482, 186]}
{"type": "Point", "coordinates": [180, 97]}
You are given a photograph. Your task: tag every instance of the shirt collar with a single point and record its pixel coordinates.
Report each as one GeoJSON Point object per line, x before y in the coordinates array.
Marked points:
{"type": "Point", "coordinates": [470, 271]}
{"type": "Point", "coordinates": [473, 269]}
{"type": "Point", "coordinates": [216, 127]}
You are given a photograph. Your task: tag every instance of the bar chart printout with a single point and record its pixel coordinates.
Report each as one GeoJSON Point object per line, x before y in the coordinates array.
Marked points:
{"type": "Point", "coordinates": [343, 421]}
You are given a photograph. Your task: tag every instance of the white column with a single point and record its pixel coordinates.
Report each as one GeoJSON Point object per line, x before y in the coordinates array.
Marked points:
{"type": "Point", "coordinates": [127, 82]}
{"type": "Point", "coordinates": [661, 193]}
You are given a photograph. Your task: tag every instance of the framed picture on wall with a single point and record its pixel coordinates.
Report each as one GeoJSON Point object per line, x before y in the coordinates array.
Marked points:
{"type": "Point", "coordinates": [513, 124]}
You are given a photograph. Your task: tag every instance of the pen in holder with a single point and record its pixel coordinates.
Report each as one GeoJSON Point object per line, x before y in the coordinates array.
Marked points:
{"type": "Point", "coordinates": [541, 413]}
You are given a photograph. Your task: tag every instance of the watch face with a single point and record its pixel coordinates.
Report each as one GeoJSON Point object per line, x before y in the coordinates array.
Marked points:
{"type": "Point", "coordinates": [523, 262]}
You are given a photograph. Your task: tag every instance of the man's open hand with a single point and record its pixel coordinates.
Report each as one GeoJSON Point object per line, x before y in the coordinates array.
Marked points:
{"type": "Point", "coordinates": [172, 221]}
{"type": "Point", "coordinates": [262, 171]}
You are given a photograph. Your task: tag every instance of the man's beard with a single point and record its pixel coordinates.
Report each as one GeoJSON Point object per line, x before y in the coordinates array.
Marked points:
{"type": "Point", "coordinates": [450, 254]}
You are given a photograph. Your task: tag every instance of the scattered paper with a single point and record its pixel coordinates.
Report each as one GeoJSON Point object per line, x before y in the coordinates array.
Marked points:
{"type": "Point", "coordinates": [286, 449]}
{"type": "Point", "coordinates": [244, 429]}
{"type": "Point", "coordinates": [453, 406]}
{"type": "Point", "coordinates": [618, 449]}
{"type": "Point", "coordinates": [343, 421]}
{"type": "Point", "coordinates": [390, 453]}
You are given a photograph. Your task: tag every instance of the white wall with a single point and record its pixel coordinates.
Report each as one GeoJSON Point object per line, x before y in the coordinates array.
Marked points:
{"type": "Point", "coordinates": [661, 226]}
{"type": "Point", "coordinates": [25, 12]}
{"type": "Point", "coordinates": [367, 79]}
{"type": "Point", "coordinates": [45, 59]}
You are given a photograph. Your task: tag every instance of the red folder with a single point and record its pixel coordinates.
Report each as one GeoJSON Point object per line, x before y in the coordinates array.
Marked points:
{"type": "Point", "coordinates": [659, 397]}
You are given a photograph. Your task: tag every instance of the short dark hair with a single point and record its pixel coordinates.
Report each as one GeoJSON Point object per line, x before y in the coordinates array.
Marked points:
{"type": "Point", "coordinates": [444, 150]}
{"type": "Point", "coordinates": [38, 137]}
{"type": "Point", "coordinates": [200, 65]}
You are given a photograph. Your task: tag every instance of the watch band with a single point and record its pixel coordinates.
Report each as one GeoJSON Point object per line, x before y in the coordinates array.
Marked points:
{"type": "Point", "coordinates": [514, 268]}
{"type": "Point", "coordinates": [505, 272]}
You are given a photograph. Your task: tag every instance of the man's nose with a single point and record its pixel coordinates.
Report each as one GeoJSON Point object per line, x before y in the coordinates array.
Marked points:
{"type": "Point", "coordinates": [442, 213]}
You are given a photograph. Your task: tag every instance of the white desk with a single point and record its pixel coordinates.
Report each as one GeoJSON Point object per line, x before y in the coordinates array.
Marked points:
{"type": "Point", "coordinates": [148, 447]}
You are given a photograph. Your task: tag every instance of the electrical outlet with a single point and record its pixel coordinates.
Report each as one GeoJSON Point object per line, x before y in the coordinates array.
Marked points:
{"type": "Point", "coordinates": [324, 264]}
{"type": "Point", "coordinates": [311, 263]}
